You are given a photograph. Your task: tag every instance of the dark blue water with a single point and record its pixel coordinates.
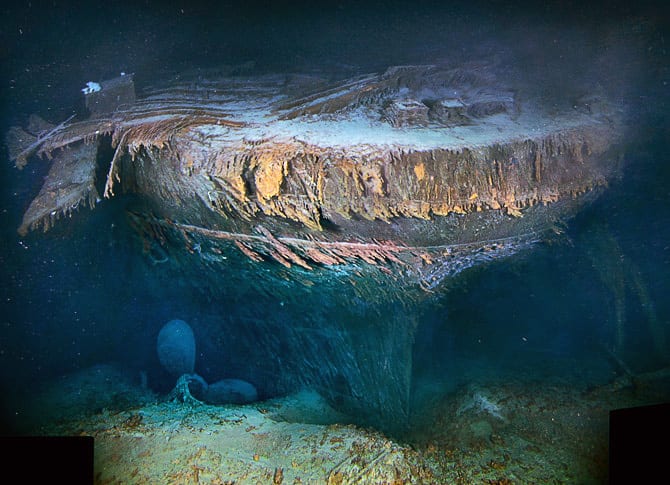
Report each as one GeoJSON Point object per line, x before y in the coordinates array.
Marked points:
{"type": "Point", "coordinates": [83, 293]}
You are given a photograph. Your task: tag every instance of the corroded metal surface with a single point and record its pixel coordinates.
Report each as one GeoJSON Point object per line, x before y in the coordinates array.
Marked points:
{"type": "Point", "coordinates": [348, 173]}
{"type": "Point", "coordinates": [347, 204]}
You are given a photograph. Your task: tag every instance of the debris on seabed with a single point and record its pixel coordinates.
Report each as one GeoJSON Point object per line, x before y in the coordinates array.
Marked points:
{"type": "Point", "coordinates": [552, 432]}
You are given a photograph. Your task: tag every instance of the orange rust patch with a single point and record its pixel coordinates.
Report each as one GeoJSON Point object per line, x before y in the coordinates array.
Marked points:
{"type": "Point", "coordinates": [269, 176]}
{"type": "Point", "coordinates": [420, 171]}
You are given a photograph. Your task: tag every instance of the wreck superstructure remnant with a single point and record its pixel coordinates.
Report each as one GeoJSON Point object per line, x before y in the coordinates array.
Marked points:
{"type": "Point", "coordinates": [371, 187]}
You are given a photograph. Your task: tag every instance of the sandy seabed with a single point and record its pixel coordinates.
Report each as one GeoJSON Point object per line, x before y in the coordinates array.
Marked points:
{"type": "Point", "coordinates": [517, 431]}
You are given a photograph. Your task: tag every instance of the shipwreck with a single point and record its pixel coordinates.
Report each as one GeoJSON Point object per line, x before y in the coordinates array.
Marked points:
{"type": "Point", "coordinates": [375, 189]}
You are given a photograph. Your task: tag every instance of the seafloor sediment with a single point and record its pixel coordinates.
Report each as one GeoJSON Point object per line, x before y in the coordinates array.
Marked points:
{"type": "Point", "coordinates": [516, 431]}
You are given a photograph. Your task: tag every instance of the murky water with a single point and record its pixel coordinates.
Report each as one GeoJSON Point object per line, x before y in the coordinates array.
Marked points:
{"type": "Point", "coordinates": [572, 310]}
